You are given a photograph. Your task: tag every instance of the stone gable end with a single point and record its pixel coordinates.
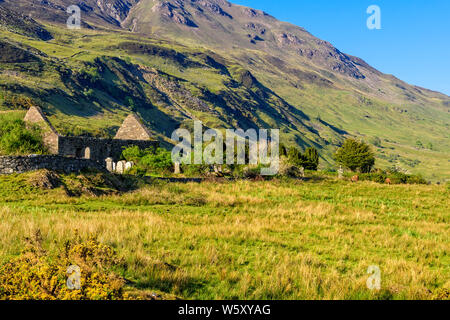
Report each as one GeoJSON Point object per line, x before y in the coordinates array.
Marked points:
{"type": "Point", "coordinates": [133, 129]}
{"type": "Point", "coordinates": [49, 135]}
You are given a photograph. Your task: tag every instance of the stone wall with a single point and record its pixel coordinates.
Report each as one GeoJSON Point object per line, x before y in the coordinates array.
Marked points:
{"type": "Point", "coordinates": [20, 164]}
{"type": "Point", "coordinates": [98, 149]}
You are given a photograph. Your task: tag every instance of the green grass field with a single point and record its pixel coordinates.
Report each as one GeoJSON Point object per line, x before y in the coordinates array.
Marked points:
{"type": "Point", "coordinates": [279, 239]}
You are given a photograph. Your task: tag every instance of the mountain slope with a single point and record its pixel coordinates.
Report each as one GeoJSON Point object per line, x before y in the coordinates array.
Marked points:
{"type": "Point", "coordinates": [225, 64]}
{"type": "Point", "coordinates": [94, 12]}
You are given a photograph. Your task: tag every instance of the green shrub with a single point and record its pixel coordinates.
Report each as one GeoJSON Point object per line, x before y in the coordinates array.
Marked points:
{"type": "Point", "coordinates": [17, 139]}
{"type": "Point", "coordinates": [90, 74]}
{"type": "Point", "coordinates": [375, 177]}
{"type": "Point", "coordinates": [395, 177]}
{"type": "Point", "coordinates": [252, 172]}
{"type": "Point", "coordinates": [133, 153]}
{"type": "Point", "coordinates": [150, 160]}
{"type": "Point", "coordinates": [35, 275]}
{"type": "Point", "coordinates": [160, 161]}
{"type": "Point", "coordinates": [398, 177]}
{"type": "Point", "coordinates": [415, 179]}
{"type": "Point", "coordinates": [137, 171]}
{"type": "Point", "coordinates": [195, 170]}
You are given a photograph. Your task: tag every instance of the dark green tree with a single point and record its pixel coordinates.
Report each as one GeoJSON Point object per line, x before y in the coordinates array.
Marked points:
{"type": "Point", "coordinates": [295, 156]}
{"type": "Point", "coordinates": [311, 159]}
{"type": "Point", "coordinates": [283, 150]}
{"type": "Point", "coordinates": [356, 156]}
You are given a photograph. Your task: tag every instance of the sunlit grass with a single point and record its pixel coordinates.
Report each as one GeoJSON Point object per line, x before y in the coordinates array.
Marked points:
{"type": "Point", "coordinates": [252, 240]}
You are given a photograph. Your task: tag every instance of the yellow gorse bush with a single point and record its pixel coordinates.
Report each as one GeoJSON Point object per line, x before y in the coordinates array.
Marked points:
{"type": "Point", "coordinates": [34, 276]}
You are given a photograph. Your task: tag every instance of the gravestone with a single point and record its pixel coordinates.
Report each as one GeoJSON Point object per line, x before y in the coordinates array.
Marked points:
{"type": "Point", "coordinates": [177, 168]}
{"type": "Point", "coordinates": [340, 173]}
{"type": "Point", "coordinates": [109, 164]}
{"type": "Point", "coordinates": [120, 167]}
{"type": "Point", "coordinates": [129, 165]}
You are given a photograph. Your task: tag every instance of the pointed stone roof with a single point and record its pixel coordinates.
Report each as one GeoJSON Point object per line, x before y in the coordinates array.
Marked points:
{"type": "Point", "coordinates": [133, 128]}
{"type": "Point", "coordinates": [35, 115]}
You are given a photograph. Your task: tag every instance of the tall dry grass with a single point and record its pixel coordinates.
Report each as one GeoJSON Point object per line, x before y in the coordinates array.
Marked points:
{"type": "Point", "coordinates": [255, 240]}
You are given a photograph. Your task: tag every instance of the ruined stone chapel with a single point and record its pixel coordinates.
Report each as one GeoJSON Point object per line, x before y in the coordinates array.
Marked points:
{"type": "Point", "coordinates": [132, 132]}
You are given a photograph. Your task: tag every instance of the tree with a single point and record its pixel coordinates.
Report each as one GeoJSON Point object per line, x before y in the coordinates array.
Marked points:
{"type": "Point", "coordinates": [295, 156]}
{"type": "Point", "coordinates": [129, 102]}
{"type": "Point", "coordinates": [356, 156]}
{"type": "Point", "coordinates": [311, 159]}
{"type": "Point", "coordinates": [283, 150]}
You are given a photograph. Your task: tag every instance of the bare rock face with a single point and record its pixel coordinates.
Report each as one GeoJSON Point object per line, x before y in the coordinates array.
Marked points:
{"type": "Point", "coordinates": [287, 39]}
{"type": "Point", "coordinates": [253, 13]}
{"type": "Point", "coordinates": [212, 7]}
{"type": "Point", "coordinates": [322, 53]}
{"type": "Point", "coordinates": [174, 12]}
{"type": "Point", "coordinates": [256, 27]}
{"type": "Point", "coordinates": [110, 11]}
{"type": "Point", "coordinates": [117, 9]}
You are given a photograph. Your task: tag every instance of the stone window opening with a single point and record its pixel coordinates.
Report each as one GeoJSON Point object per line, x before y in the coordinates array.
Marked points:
{"type": "Point", "coordinates": [87, 153]}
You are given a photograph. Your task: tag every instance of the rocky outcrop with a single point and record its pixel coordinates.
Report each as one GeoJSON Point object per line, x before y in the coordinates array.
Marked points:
{"type": "Point", "coordinates": [252, 13]}
{"type": "Point", "coordinates": [212, 7]}
{"type": "Point", "coordinates": [174, 13]}
{"type": "Point", "coordinates": [256, 27]}
{"type": "Point", "coordinates": [287, 39]}
{"type": "Point", "coordinates": [113, 12]}
{"type": "Point", "coordinates": [116, 9]}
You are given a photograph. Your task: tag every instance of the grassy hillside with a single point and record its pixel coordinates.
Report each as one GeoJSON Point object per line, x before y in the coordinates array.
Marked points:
{"type": "Point", "coordinates": [248, 240]}
{"type": "Point", "coordinates": [87, 81]}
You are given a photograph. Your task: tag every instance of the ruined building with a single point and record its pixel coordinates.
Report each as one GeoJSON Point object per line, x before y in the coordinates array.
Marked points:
{"type": "Point", "coordinates": [132, 132]}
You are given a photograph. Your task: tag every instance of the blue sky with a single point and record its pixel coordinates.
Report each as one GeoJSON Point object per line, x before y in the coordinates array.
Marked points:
{"type": "Point", "coordinates": [413, 44]}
